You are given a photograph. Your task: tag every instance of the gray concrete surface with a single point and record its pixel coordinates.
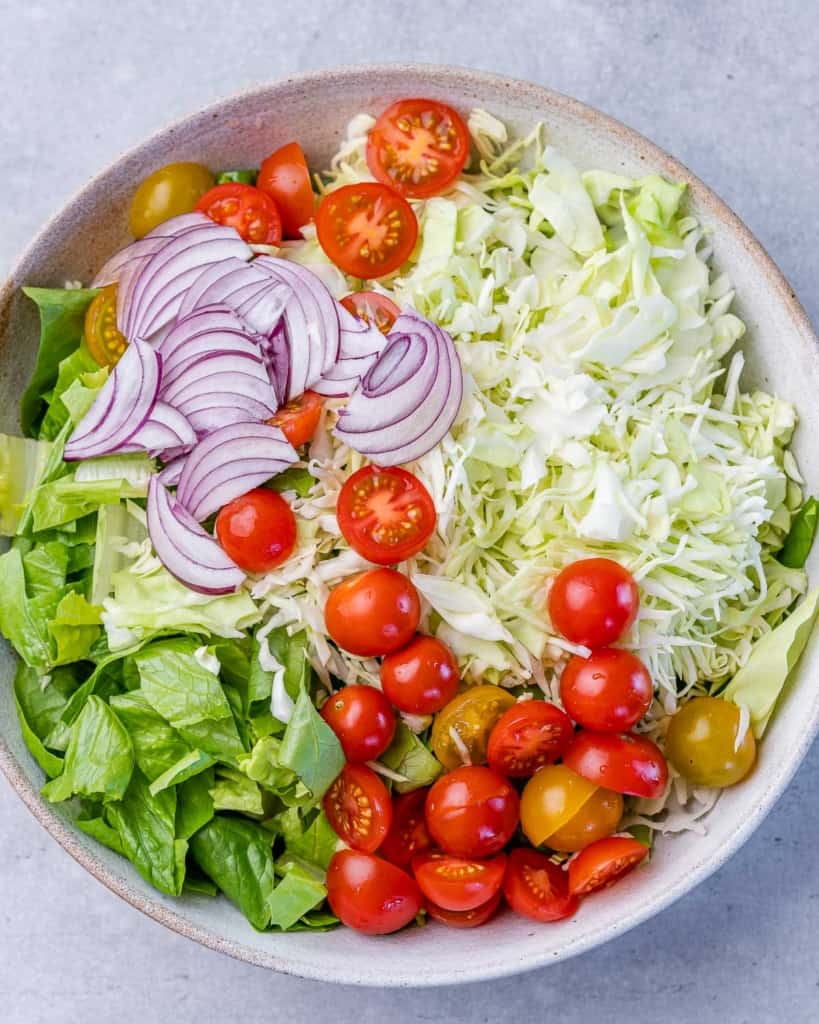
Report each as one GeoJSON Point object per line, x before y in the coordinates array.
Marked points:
{"type": "Point", "coordinates": [732, 89]}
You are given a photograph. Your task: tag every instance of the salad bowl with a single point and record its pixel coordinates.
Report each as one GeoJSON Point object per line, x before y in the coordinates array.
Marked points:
{"type": "Point", "coordinates": [781, 356]}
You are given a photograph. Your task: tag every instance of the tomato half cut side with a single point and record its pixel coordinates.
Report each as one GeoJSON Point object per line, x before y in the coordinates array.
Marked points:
{"type": "Point", "coordinates": [624, 762]}
{"type": "Point", "coordinates": [464, 918]}
{"type": "Point", "coordinates": [408, 833]}
{"type": "Point", "coordinates": [105, 342]}
{"type": "Point", "coordinates": [527, 737]}
{"type": "Point", "coordinates": [299, 418]}
{"type": "Point", "coordinates": [373, 307]}
{"type": "Point", "coordinates": [418, 147]}
{"type": "Point", "coordinates": [367, 230]}
{"type": "Point", "coordinates": [603, 863]}
{"type": "Point", "coordinates": [285, 177]}
{"type": "Point", "coordinates": [537, 888]}
{"type": "Point", "coordinates": [370, 894]}
{"type": "Point", "coordinates": [258, 530]}
{"type": "Point", "coordinates": [358, 807]}
{"type": "Point", "coordinates": [458, 883]}
{"type": "Point", "coordinates": [247, 209]}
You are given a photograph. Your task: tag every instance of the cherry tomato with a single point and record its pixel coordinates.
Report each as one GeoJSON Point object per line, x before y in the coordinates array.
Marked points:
{"type": "Point", "coordinates": [701, 743]}
{"type": "Point", "coordinates": [408, 834]}
{"type": "Point", "coordinates": [562, 810]}
{"type": "Point", "coordinates": [374, 613]}
{"type": "Point", "coordinates": [358, 807]}
{"type": "Point", "coordinates": [593, 602]}
{"type": "Point", "coordinates": [470, 717]}
{"type": "Point", "coordinates": [370, 894]}
{"type": "Point", "coordinates": [362, 719]}
{"type": "Point", "coordinates": [386, 515]}
{"type": "Point", "coordinates": [528, 736]}
{"type": "Point", "coordinates": [299, 418]}
{"type": "Point", "coordinates": [608, 692]}
{"type": "Point", "coordinates": [422, 677]}
{"type": "Point", "coordinates": [472, 812]}
{"type": "Point", "coordinates": [537, 888]}
{"type": "Point", "coordinates": [464, 918]}
{"type": "Point", "coordinates": [367, 230]}
{"type": "Point", "coordinates": [168, 192]}
{"type": "Point", "coordinates": [258, 530]}
{"type": "Point", "coordinates": [624, 762]}
{"type": "Point", "coordinates": [373, 307]}
{"type": "Point", "coordinates": [603, 863]}
{"type": "Point", "coordinates": [247, 209]}
{"type": "Point", "coordinates": [418, 147]}
{"type": "Point", "coordinates": [105, 342]}
{"type": "Point", "coordinates": [457, 883]}
{"type": "Point", "coordinates": [284, 176]}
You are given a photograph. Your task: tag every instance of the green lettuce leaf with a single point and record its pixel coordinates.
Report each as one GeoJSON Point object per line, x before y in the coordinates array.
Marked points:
{"type": "Point", "coordinates": [185, 768]}
{"type": "Point", "coordinates": [798, 543]}
{"type": "Point", "coordinates": [408, 756]}
{"type": "Point", "coordinates": [75, 627]}
{"type": "Point", "coordinates": [310, 748]}
{"type": "Point", "coordinates": [67, 499]}
{"type": "Point", "coordinates": [296, 894]}
{"type": "Point", "coordinates": [263, 765]}
{"type": "Point", "coordinates": [99, 829]}
{"type": "Point", "coordinates": [234, 791]}
{"type": "Point", "coordinates": [297, 479]}
{"type": "Point", "coordinates": [158, 747]}
{"type": "Point", "coordinates": [194, 804]}
{"type": "Point", "coordinates": [22, 622]}
{"type": "Point", "coordinates": [316, 844]}
{"type": "Point", "coordinates": [22, 462]}
{"type": "Point", "coordinates": [79, 381]}
{"type": "Point", "coordinates": [117, 526]}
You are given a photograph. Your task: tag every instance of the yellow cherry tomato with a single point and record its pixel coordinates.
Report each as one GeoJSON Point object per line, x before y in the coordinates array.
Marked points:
{"type": "Point", "coordinates": [472, 715]}
{"type": "Point", "coordinates": [105, 342]}
{"type": "Point", "coordinates": [701, 743]}
{"type": "Point", "coordinates": [560, 809]}
{"type": "Point", "coordinates": [597, 818]}
{"type": "Point", "coordinates": [168, 192]}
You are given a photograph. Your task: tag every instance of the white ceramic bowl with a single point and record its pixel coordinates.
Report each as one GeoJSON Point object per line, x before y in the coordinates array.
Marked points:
{"type": "Point", "coordinates": [783, 357]}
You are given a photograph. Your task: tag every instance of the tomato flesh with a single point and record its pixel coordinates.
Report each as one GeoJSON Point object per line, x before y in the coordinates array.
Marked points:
{"type": "Point", "coordinates": [472, 812]}
{"type": "Point", "coordinates": [418, 147]}
{"type": "Point", "coordinates": [527, 737]}
{"type": "Point", "coordinates": [362, 719]}
{"type": "Point", "coordinates": [285, 177]}
{"type": "Point", "coordinates": [386, 515]}
{"type": "Point", "coordinates": [374, 308]}
{"type": "Point", "coordinates": [464, 918]}
{"type": "Point", "coordinates": [603, 863]}
{"type": "Point", "coordinates": [370, 894]}
{"type": "Point", "coordinates": [624, 762]}
{"type": "Point", "coordinates": [607, 692]}
{"type": "Point", "coordinates": [537, 888]}
{"type": "Point", "coordinates": [457, 883]}
{"type": "Point", "coordinates": [358, 807]}
{"type": "Point", "coordinates": [299, 419]}
{"type": "Point", "coordinates": [463, 726]}
{"type": "Point", "coordinates": [105, 342]}
{"type": "Point", "coordinates": [367, 230]}
{"type": "Point", "coordinates": [408, 834]}
{"type": "Point", "coordinates": [258, 530]}
{"type": "Point", "coordinates": [246, 208]}
{"type": "Point", "coordinates": [374, 613]}
{"type": "Point", "coordinates": [702, 745]}
{"type": "Point", "coordinates": [422, 677]}
{"type": "Point", "coordinates": [593, 602]}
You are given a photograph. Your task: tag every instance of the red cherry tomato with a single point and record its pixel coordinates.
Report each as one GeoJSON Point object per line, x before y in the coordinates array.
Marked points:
{"type": "Point", "coordinates": [464, 918]}
{"type": "Point", "coordinates": [528, 736]}
{"type": "Point", "coordinates": [408, 834]}
{"type": "Point", "coordinates": [258, 530]}
{"type": "Point", "coordinates": [624, 762]}
{"type": "Point", "coordinates": [284, 176]}
{"type": "Point", "coordinates": [247, 209]}
{"type": "Point", "coordinates": [472, 812]}
{"type": "Point", "coordinates": [358, 807]}
{"type": "Point", "coordinates": [418, 147]}
{"type": "Point", "coordinates": [299, 418]}
{"type": "Point", "coordinates": [367, 230]}
{"type": "Point", "coordinates": [608, 692]}
{"type": "Point", "coordinates": [370, 894]}
{"type": "Point", "coordinates": [603, 863]}
{"type": "Point", "coordinates": [422, 677]}
{"type": "Point", "coordinates": [593, 602]}
{"type": "Point", "coordinates": [373, 307]}
{"type": "Point", "coordinates": [374, 613]}
{"type": "Point", "coordinates": [363, 720]}
{"type": "Point", "coordinates": [457, 883]}
{"type": "Point", "coordinates": [536, 888]}
{"type": "Point", "coordinates": [386, 515]}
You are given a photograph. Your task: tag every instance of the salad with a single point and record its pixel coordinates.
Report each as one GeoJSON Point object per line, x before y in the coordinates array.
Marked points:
{"type": "Point", "coordinates": [398, 541]}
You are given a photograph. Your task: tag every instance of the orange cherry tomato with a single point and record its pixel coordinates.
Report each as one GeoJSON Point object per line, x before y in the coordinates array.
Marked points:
{"type": "Point", "coordinates": [560, 809]}
{"type": "Point", "coordinates": [374, 613]}
{"type": "Point", "coordinates": [464, 918]}
{"type": "Point", "coordinates": [422, 677]}
{"type": "Point", "coordinates": [624, 762]}
{"type": "Point", "coordinates": [105, 342]}
{"type": "Point", "coordinates": [258, 530]}
{"type": "Point", "coordinates": [537, 888]}
{"type": "Point", "coordinates": [367, 230]}
{"type": "Point", "coordinates": [285, 177]}
{"type": "Point", "coordinates": [362, 719]}
{"type": "Point", "coordinates": [370, 894]}
{"type": "Point", "coordinates": [472, 812]}
{"type": "Point", "coordinates": [408, 834]}
{"type": "Point", "coordinates": [299, 419]}
{"type": "Point", "coordinates": [358, 808]}
{"type": "Point", "coordinates": [608, 692]}
{"type": "Point", "coordinates": [373, 307]}
{"type": "Point", "coordinates": [603, 863]}
{"type": "Point", "coordinates": [418, 147]}
{"type": "Point", "coordinates": [457, 883]}
{"type": "Point", "coordinates": [593, 602]}
{"type": "Point", "coordinates": [528, 736]}
{"type": "Point", "coordinates": [247, 209]}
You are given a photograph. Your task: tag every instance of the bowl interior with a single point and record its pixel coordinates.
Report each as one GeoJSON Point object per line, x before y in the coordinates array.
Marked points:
{"type": "Point", "coordinates": [782, 357]}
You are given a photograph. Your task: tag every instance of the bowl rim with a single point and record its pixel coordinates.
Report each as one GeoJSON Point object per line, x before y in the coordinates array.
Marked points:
{"type": "Point", "coordinates": [707, 199]}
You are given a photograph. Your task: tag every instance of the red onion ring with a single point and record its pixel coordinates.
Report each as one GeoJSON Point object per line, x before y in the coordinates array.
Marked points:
{"type": "Point", "coordinates": [141, 250]}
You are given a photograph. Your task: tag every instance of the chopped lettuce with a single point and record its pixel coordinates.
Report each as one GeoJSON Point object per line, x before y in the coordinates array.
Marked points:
{"type": "Point", "coordinates": [799, 541]}
{"type": "Point", "coordinates": [310, 748]}
{"type": "Point", "coordinates": [22, 462]}
{"type": "Point", "coordinates": [409, 759]}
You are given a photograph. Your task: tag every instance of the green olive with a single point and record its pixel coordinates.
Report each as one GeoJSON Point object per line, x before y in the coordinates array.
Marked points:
{"type": "Point", "coordinates": [701, 739]}
{"type": "Point", "coordinates": [168, 192]}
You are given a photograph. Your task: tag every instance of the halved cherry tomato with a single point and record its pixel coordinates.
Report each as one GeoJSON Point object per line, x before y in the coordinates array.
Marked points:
{"type": "Point", "coordinates": [105, 342]}
{"type": "Point", "coordinates": [593, 602]}
{"type": "Point", "coordinates": [247, 209]}
{"type": "Point", "coordinates": [370, 894]}
{"type": "Point", "coordinates": [562, 810]}
{"type": "Point", "coordinates": [258, 530]}
{"type": "Point", "coordinates": [374, 613]}
{"type": "Point", "coordinates": [386, 515]}
{"type": "Point", "coordinates": [422, 677]}
{"type": "Point", "coordinates": [464, 724]}
{"type": "Point", "coordinates": [418, 147]}
{"type": "Point", "coordinates": [604, 863]}
{"type": "Point", "coordinates": [373, 307]}
{"type": "Point", "coordinates": [608, 692]}
{"type": "Point", "coordinates": [457, 883]}
{"type": "Point", "coordinates": [472, 812]}
{"type": "Point", "coordinates": [537, 888]}
{"type": "Point", "coordinates": [358, 807]}
{"type": "Point", "coordinates": [299, 418]}
{"type": "Point", "coordinates": [598, 817]}
{"type": "Point", "coordinates": [408, 834]}
{"type": "Point", "coordinates": [285, 177]}
{"type": "Point", "coordinates": [363, 720]}
{"type": "Point", "coordinates": [367, 230]}
{"type": "Point", "coordinates": [624, 762]}
{"type": "Point", "coordinates": [464, 918]}
{"type": "Point", "coordinates": [528, 736]}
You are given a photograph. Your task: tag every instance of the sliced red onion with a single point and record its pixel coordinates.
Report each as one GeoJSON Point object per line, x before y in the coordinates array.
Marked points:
{"type": "Point", "coordinates": [141, 250]}
{"type": "Point", "coordinates": [165, 429]}
{"type": "Point", "coordinates": [409, 398]}
{"type": "Point", "coordinates": [213, 417]}
{"type": "Point", "coordinates": [170, 474]}
{"type": "Point", "coordinates": [230, 462]}
{"type": "Point", "coordinates": [360, 345]}
{"type": "Point", "coordinates": [276, 355]}
{"type": "Point", "coordinates": [185, 549]}
{"type": "Point", "coordinates": [245, 288]}
{"type": "Point", "coordinates": [195, 338]}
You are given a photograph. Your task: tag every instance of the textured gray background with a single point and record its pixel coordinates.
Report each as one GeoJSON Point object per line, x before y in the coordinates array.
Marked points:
{"type": "Point", "coordinates": [732, 90]}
